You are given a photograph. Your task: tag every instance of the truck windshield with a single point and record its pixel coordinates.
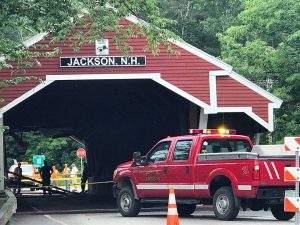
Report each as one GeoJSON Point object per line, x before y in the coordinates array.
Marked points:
{"type": "Point", "coordinates": [225, 145]}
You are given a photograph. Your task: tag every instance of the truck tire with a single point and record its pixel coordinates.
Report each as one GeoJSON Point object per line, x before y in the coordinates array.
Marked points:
{"type": "Point", "coordinates": [279, 213]}
{"type": "Point", "coordinates": [224, 204]}
{"type": "Point", "coordinates": [127, 204]}
{"type": "Point", "coordinates": [186, 209]}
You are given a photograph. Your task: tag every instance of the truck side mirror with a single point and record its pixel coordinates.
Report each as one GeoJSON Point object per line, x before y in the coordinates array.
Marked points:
{"type": "Point", "coordinates": [137, 158]}
{"type": "Point", "coordinates": [144, 161]}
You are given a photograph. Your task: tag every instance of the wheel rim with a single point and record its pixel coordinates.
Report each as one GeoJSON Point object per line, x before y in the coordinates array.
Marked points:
{"type": "Point", "coordinates": [125, 202]}
{"type": "Point", "coordinates": [222, 204]}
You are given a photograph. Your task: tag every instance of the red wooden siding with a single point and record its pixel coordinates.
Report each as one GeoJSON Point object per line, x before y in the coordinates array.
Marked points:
{"type": "Point", "coordinates": [187, 72]}
{"type": "Point", "coordinates": [231, 93]}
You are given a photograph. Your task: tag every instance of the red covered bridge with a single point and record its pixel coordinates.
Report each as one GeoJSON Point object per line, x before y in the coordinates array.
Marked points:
{"type": "Point", "coordinates": [118, 105]}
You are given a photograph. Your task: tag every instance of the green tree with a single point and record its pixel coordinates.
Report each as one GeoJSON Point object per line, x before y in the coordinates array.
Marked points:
{"type": "Point", "coordinates": [21, 19]}
{"type": "Point", "coordinates": [14, 149]}
{"type": "Point", "coordinates": [265, 47]}
{"type": "Point", "coordinates": [57, 151]}
{"type": "Point", "coordinates": [198, 21]}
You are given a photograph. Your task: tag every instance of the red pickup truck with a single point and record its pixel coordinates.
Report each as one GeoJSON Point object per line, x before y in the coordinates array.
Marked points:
{"type": "Point", "coordinates": [205, 167]}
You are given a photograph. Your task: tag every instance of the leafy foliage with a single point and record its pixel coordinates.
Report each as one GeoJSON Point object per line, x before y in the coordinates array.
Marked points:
{"type": "Point", "coordinates": [57, 151]}
{"type": "Point", "coordinates": [261, 39]}
{"type": "Point", "coordinates": [24, 18]}
{"type": "Point", "coordinates": [21, 19]}
{"type": "Point", "coordinates": [265, 47]}
{"type": "Point", "coordinates": [198, 21]}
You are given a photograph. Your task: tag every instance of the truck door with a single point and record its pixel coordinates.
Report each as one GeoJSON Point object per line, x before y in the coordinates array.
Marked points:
{"type": "Point", "coordinates": [179, 168]}
{"type": "Point", "coordinates": [153, 180]}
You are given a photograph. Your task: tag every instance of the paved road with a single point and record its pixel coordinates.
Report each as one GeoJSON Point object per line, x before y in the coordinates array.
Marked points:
{"type": "Point", "coordinates": [144, 218]}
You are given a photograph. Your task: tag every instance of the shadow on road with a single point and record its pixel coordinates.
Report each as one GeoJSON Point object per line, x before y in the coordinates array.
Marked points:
{"type": "Point", "coordinates": [49, 203]}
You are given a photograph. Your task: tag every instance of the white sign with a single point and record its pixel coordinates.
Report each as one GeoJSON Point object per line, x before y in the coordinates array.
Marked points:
{"type": "Point", "coordinates": [291, 204]}
{"type": "Point", "coordinates": [291, 174]}
{"type": "Point", "coordinates": [292, 144]}
{"type": "Point", "coordinates": [102, 61]}
{"type": "Point", "coordinates": [102, 47]}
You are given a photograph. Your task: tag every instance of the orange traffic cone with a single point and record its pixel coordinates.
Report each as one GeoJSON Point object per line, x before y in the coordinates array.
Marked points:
{"type": "Point", "coordinates": [172, 217]}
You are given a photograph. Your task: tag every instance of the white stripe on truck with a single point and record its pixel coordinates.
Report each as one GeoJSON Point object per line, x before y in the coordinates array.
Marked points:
{"type": "Point", "coordinates": [275, 169]}
{"type": "Point", "coordinates": [184, 187]}
{"type": "Point", "coordinates": [175, 186]}
{"type": "Point", "coordinates": [165, 186]}
{"type": "Point", "coordinates": [269, 172]}
{"type": "Point", "coordinates": [151, 186]}
{"type": "Point", "coordinates": [201, 186]}
{"type": "Point", "coordinates": [244, 187]}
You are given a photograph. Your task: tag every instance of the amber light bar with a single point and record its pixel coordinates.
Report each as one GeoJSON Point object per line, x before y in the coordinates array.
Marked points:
{"type": "Point", "coordinates": [212, 131]}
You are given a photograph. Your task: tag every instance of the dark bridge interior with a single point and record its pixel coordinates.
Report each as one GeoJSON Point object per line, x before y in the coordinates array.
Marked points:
{"type": "Point", "coordinates": [114, 117]}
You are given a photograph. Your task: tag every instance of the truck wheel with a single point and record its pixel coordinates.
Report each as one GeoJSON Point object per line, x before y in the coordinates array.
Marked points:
{"type": "Point", "coordinates": [186, 209]}
{"type": "Point", "coordinates": [279, 213]}
{"type": "Point", "coordinates": [128, 206]}
{"type": "Point", "coordinates": [224, 204]}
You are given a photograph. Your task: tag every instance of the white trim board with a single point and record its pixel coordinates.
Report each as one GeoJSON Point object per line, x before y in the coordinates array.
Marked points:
{"type": "Point", "coordinates": [276, 102]}
{"type": "Point", "coordinates": [157, 78]}
{"type": "Point", "coordinates": [207, 109]}
{"type": "Point", "coordinates": [34, 39]}
{"type": "Point", "coordinates": [248, 84]}
{"type": "Point", "coordinates": [153, 76]}
{"type": "Point", "coordinates": [25, 96]}
{"type": "Point", "coordinates": [227, 71]}
{"type": "Point", "coordinates": [249, 112]}
{"type": "Point", "coordinates": [127, 76]}
{"type": "Point", "coordinates": [256, 88]}
{"type": "Point", "coordinates": [188, 47]}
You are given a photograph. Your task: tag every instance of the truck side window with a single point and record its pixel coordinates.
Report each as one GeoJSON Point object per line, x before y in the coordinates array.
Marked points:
{"type": "Point", "coordinates": [242, 146]}
{"type": "Point", "coordinates": [159, 153]}
{"type": "Point", "coordinates": [182, 150]}
{"type": "Point", "coordinates": [225, 145]}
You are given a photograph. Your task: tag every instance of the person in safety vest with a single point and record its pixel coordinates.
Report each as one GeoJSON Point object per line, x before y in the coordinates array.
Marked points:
{"type": "Point", "coordinates": [66, 174]}
{"type": "Point", "coordinates": [54, 176]}
{"type": "Point", "coordinates": [74, 172]}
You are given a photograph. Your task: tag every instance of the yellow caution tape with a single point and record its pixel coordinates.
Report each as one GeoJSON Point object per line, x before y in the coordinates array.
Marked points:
{"type": "Point", "coordinates": [67, 178]}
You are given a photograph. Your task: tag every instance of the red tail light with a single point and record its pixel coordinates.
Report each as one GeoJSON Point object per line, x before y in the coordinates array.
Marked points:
{"type": "Point", "coordinates": [256, 172]}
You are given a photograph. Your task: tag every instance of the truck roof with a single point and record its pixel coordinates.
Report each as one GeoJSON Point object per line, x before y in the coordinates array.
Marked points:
{"type": "Point", "coordinates": [207, 135]}
{"type": "Point", "coordinates": [212, 133]}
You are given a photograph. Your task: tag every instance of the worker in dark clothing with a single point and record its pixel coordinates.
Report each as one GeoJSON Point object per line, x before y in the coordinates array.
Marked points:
{"type": "Point", "coordinates": [46, 172]}
{"type": "Point", "coordinates": [18, 178]}
{"type": "Point", "coordinates": [85, 176]}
